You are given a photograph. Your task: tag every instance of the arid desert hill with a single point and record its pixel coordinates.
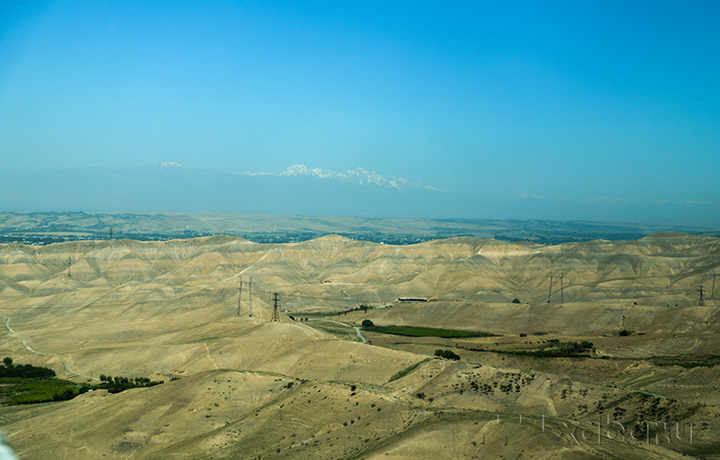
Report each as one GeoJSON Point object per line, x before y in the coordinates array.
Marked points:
{"type": "Point", "coordinates": [249, 387]}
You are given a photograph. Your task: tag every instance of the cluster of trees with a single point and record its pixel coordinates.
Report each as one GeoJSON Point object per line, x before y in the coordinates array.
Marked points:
{"type": "Point", "coordinates": [126, 382]}
{"type": "Point", "coordinates": [27, 371]}
{"type": "Point", "coordinates": [447, 354]}
{"type": "Point", "coordinates": [560, 349]}
{"type": "Point", "coordinates": [576, 348]}
{"type": "Point", "coordinates": [350, 310]}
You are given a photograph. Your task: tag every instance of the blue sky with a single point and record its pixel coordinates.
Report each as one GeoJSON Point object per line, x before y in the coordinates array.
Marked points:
{"type": "Point", "coordinates": [555, 100]}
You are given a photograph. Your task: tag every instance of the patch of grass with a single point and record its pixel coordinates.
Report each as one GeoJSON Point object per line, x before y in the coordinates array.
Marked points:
{"type": "Point", "coordinates": [645, 380]}
{"type": "Point", "coordinates": [407, 370]}
{"type": "Point", "coordinates": [686, 361]}
{"type": "Point", "coordinates": [344, 332]}
{"type": "Point", "coordinates": [697, 449]}
{"type": "Point", "coordinates": [415, 331]}
{"type": "Point", "coordinates": [17, 390]}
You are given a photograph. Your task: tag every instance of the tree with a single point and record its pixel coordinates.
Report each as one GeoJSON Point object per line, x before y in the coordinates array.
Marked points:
{"type": "Point", "coordinates": [7, 361]}
{"type": "Point", "coordinates": [367, 324]}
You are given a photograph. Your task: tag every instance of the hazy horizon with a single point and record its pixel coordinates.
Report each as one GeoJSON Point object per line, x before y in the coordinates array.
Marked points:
{"type": "Point", "coordinates": [299, 191]}
{"type": "Point", "coordinates": [559, 111]}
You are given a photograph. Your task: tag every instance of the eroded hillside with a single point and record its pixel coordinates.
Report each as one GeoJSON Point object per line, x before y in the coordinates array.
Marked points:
{"type": "Point", "coordinates": [307, 386]}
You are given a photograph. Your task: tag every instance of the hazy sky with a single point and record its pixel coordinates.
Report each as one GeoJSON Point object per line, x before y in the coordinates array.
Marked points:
{"type": "Point", "coordinates": [571, 100]}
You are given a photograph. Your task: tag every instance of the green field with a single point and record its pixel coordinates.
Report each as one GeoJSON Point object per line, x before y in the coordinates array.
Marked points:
{"type": "Point", "coordinates": [17, 390]}
{"type": "Point", "coordinates": [414, 331]}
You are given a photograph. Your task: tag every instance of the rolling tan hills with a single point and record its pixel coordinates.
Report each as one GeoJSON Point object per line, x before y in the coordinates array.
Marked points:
{"type": "Point", "coordinates": [252, 388]}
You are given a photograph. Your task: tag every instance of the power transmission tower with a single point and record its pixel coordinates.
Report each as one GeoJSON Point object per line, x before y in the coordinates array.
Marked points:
{"type": "Point", "coordinates": [276, 312]}
{"type": "Point", "coordinates": [239, 296]}
{"type": "Point", "coordinates": [701, 302]}
{"type": "Point", "coordinates": [550, 292]}
{"type": "Point", "coordinates": [111, 233]}
{"type": "Point", "coordinates": [562, 297]}
{"type": "Point", "coordinates": [69, 264]}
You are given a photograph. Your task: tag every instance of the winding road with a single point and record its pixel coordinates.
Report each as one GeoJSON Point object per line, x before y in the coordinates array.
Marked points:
{"type": "Point", "coordinates": [23, 340]}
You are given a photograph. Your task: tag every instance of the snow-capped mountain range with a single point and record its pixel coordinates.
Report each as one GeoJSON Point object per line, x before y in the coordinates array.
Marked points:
{"type": "Point", "coordinates": [358, 176]}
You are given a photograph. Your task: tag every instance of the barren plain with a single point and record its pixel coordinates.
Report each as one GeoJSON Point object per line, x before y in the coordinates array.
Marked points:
{"type": "Point", "coordinates": [238, 385]}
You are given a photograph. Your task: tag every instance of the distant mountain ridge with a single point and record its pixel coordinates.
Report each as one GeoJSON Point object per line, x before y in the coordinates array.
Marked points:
{"type": "Point", "coordinates": [301, 190]}
{"type": "Point", "coordinates": [170, 187]}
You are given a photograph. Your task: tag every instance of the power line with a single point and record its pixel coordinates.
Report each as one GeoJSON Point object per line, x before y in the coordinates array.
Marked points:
{"type": "Point", "coordinates": [712, 292]}
{"type": "Point", "coordinates": [269, 295]}
{"type": "Point", "coordinates": [550, 292]}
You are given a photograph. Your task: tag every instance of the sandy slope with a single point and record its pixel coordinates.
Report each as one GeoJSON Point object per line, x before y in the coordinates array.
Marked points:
{"type": "Point", "coordinates": [162, 309]}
